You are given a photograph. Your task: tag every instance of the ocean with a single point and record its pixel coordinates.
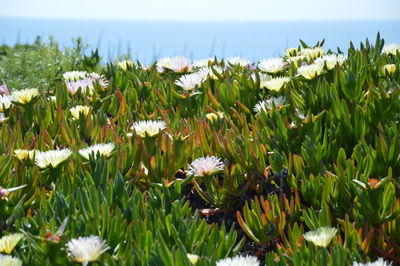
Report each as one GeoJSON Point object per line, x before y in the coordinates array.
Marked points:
{"type": "Point", "coordinates": [147, 41]}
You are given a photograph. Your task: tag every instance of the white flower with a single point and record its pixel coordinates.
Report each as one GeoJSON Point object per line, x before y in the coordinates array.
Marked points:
{"type": "Point", "coordinates": [190, 82]}
{"type": "Point", "coordinates": [8, 242]}
{"type": "Point", "coordinates": [312, 53]}
{"type": "Point", "coordinates": [2, 117]}
{"type": "Point", "coordinates": [275, 84]}
{"type": "Point", "coordinates": [331, 60]}
{"type": "Point", "coordinates": [272, 65]}
{"type": "Point", "coordinates": [8, 260]}
{"type": "Point", "coordinates": [176, 64]}
{"type": "Point", "coordinates": [392, 48]}
{"type": "Point", "coordinates": [51, 158]}
{"type": "Point", "coordinates": [205, 166]}
{"type": "Point", "coordinates": [311, 71]}
{"type": "Point", "coordinates": [267, 104]}
{"type": "Point", "coordinates": [321, 236]}
{"type": "Point", "coordinates": [84, 81]}
{"type": "Point", "coordinates": [203, 62]}
{"type": "Point", "coordinates": [75, 111]}
{"type": "Point", "coordinates": [295, 60]}
{"type": "Point", "coordinates": [193, 258]}
{"type": "Point", "coordinates": [125, 64]}
{"type": "Point", "coordinates": [22, 154]}
{"type": "Point", "coordinates": [237, 60]}
{"type": "Point", "coordinates": [207, 72]}
{"type": "Point", "coordinates": [24, 96]}
{"type": "Point", "coordinates": [5, 102]}
{"type": "Point", "coordinates": [103, 149]}
{"type": "Point", "coordinates": [148, 128]}
{"type": "Point", "coordinates": [389, 69]}
{"type": "Point", "coordinates": [378, 262]}
{"type": "Point", "coordinates": [239, 261]}
{"type": "Point", "coordinates": [74, 75]}
{"type": "Point", "coordinates": [86, 249]}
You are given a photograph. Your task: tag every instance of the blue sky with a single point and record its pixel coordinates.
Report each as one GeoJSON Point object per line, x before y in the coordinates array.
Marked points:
{"type": "Point", "coordinates": [239, 10]}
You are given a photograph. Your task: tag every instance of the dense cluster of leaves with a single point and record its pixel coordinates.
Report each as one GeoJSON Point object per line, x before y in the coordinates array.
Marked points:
{"type": "Point", "coordinates": [328, 155]}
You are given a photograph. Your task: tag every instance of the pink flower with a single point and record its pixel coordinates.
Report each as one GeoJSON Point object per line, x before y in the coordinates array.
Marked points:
{"type": "Point", "coordinates": [4, 90]}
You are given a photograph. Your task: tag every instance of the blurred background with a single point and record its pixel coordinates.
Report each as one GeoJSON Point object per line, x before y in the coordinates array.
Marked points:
{"type": "Point", "coordinates": [147, 30]}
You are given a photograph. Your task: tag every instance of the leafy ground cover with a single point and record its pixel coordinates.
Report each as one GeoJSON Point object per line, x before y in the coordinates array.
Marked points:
{"type": "Point", "coordinates": [292, 160]}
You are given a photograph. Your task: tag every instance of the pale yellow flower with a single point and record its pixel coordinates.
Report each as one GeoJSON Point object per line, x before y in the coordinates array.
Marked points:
{"type": "Point", "coordinates": [24, 96]}
{"type": "Point", "coordinates": [310, 71]}
{"type": "Point", "coordinates": [86, 249]}
{"type": "Point", "coordinates": [193, 258]}
{"type": "Point", "coordinates": [321, 236]}
{"type": "Point", "coordinates": [125, 64]}
{"type": "Point", "coordinates": [23, 154]}
{"type": "Point", "coordinates": [51, 158]}
{"type": "Point", "coordinates": [214, 117]}
{"type": "Point", "coordinates": [389, 69]}
{"type": "Point", "coordinates": [331, 60]}
{"type": "Point", "coordinates": [295, 60]}
{"type": "Point", "coordinates": [392, 48]}
{"type": "Point", "coordinates": [8, 242]}
{"type": "Point", "coordinates": [8, 260]}
{"type": "Point", "coordinates": [312, 53]}
{"type": "Point", "coordinates": [275, 84]}
{"type": "Point", "coordinates": [291, 52]}
{"type": "Point", "coordinates": [75, 111]}
{"type": "Point", "coordinates": [103, 149]}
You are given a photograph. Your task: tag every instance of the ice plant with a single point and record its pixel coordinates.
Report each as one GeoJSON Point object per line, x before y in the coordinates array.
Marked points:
{"type": "Point", "coordinates": [148, 128]}
{"type": "Point", "coordinates": [268, 104]}
{"type": "Point", "coordinates": [176, 64]}
{"type": "Point", "coordinates": [51, 158]}
{"type": "Point", "coordinates": [8, 242]}
{"type": "Point", "coordinates": [272, 65]}
{"type": "Point", "coordinates": [239, 261]}
{"type": "Point", "coordinates": [312, 53]}
{"type": "Point", "coordinates": [207, 72]}
{"type": "Point", "coordinates": [103, 149]}
{"type": "Point", "coordinates": [23, 154]}
{"type": "Point", "coordinates": [77, 110]}
{"type": "Point", "coordinates": [205, 166]}
{"type": "Point", "coordinates": [82, 80]}
{"type": "Point", "coordinates": [331, 60]}
{"type": "Point", "coordinates": [378, 262]}
{"type": "Point", "coordinates": [8, 260]}
{"type": "Point", "coordinates": [86, 249]}
{"type": "Point", "coordinates": [24, 96]}
{"type": "Point", "coordinates": [239, 61]}
{"type": "Point", "coordinates": [275, 84]}
{"type": "Point", "coordinates": [5, 102]}
{"type": "Point", "coordinates": [322, 236]}
{"type": "Point", "coordinates": [203, 62]}
{"type": "Point", "coordinates": [190, 82]}
{"type": "Point", "coordinates": [311, 71]}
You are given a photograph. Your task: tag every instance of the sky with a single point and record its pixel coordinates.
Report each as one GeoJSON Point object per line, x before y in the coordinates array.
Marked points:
{"type": "Point", "coordinates": [204, 10]}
